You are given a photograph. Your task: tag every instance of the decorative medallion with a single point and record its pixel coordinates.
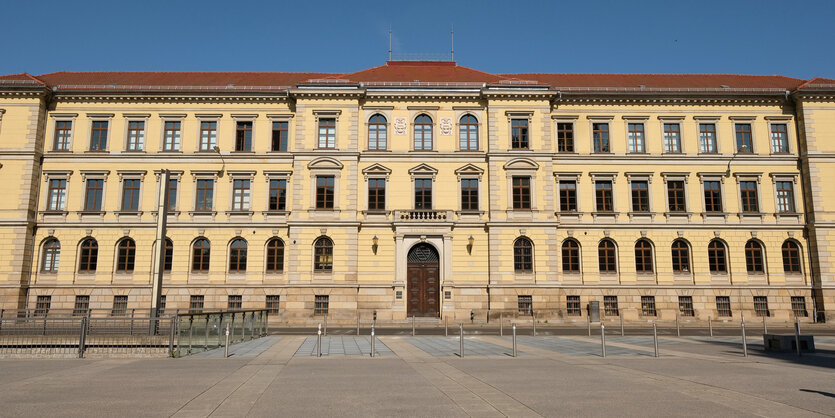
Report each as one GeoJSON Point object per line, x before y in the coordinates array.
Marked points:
{"type": "Point", "coordinates": [446, 126]}
{"type": "Point", "coordinates": [400, 126]}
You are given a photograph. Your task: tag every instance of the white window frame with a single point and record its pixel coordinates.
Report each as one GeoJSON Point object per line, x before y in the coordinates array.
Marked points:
{"type": "Point", "coordinates": [708, 120]}
{"type": "Point", "coordinates": [746, 120]}
{"type": "Point", "coordinates": [94, 175]}
{"type": "Point", "coordinates": [607, 176]}
{"type": "Point", "coordinates": [600, 119]}
{"type": "Point", "coordinates": [642, 120]}
{"type": "Point", "coordinates": [376, 171]}
{"type": "Point", "coordinates": [326, 114]}
{"type": "Point", "coordinates": [131, 175]}
{"type": "Point", "coordinates": [677, 176]}
{"type": "Point", "coordinates": [50, 175]}
{"type": "Point", "coordinates": [54, 118]}
{"type": "Point", "coordinates": [643, 176]}
{"type": "Point", "coordinates": [469, 172]}
{"type": "Point", "coordinates": [520, 114]}
{"type": "Point", "coordinates": [270, 175]}
{"type": "Point", "coordinates": [206, 118]}
{"type": "Point", "coordinates": [283, 117]}
{"type": "Point", "coordinates": [133, 117]}
{"type": "Point", "coordinates": [384, 111]}
{"type": "Point", "coordinates": [781, 120]}
{"type": "Point", "coordinates": [165, 118]}
{"type": "Point", "coordinates": [204, 175]}
{"type": "Point", "coordinates": [672, 120]}
{"type": "Point", "coordinates": [176, 175]}
{"type": "Point", "coordinates": [564, 176]}
{"type": "Point", "coordinates": [100, 117]}
{"type": "Point", "coordinates": [713, 176]}
{"type": "Point", "coordinates": [238, 118]}
{"type": "Point", "coordinates": [755, 177]}
{"type": "Point", "coordinates": [557, 119]}
{"type": "Point", "coordinates": [248, 175]}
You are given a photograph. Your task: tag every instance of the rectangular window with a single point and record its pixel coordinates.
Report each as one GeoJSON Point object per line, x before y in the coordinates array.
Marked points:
{"type": "Point", "coordinates": [171, 136]}
{"type": "Point", "coordinates": [205, 194]}
{"type": "Point", "coordinates": [93, 195]}
{"type": "Point", "coordinates": [98, 136]}
{"type": "Point", "coordinates": [423, 194]}
{"type": "Point", "coordinates": [672, 138]}
{"type": "Point", "coordinates": [136, 136]}
{"type": "Point", "coordinates": [327, 133]}
{"type": "Point", "coordinates": [519, 134]}
{"type": "Point", "coordinates": [648, 306]}
{"type": "Point", "coordinates": [707, 138]}
{"type": "Point", "coordinates": [779, 138]}
{"type": "Point", "coordinates": [82, 305]}
{"type": "Point", "coordinates": [278, 194]}
{"type": "Point", "coordinates": [521, 192]}
{"type": "Point", "coordinates": [43, 304]}
{"type": "Point", "coordinates": [568, 196]}
{"type": "Point", "coordinates": [525, 305]}
{"type": "Point", "coordinates": [799, 306]}
{"type": "Point", "coordinates": [713, 196]}
{"type": "Point", "coordinates": [57, 195]}
{"type": "Point", "coordinates": [161, 307]}
{"type": "Point", "coordinates": [195, 304]}
{"type": "Point", "coordinates": [635, 137]}
{"type": "Point", "coordinates": [603, 196]}
{"type": "Point", "coordinates": [234, 302]}
{"type": "Point", "coordinates": [172, 194]}
{"type": "Point", "coordinates": [572, 305]}
{"type": "Point", "coordinates": [324, 192]}
{"type": "Point", "coordinates": [208, 135]}
{"type": "Point", "coordinates": [469, 194]}
{"type": "Point", "coordinates": [610, 306]}
{"type": "Point", "coordinates": [376, 194]}
{"type": "Point", "coordinates": [761, 306]}
{"type": "Point", "coordinates": [785, 197]}
{"type": "Point", "coordinates": [565, 137]}
{"type": "Point", "coordinates": [676, 196]}
{"type": "Point", "coordinates": [243, 136]}
{"type": "Point", "coordinates": [723, 306]}
{"type": "Point", "coordinates": [240, 195]}
{"type": "Point", "coordinates": [748, 194]}
{"type": "Point", "coordinates": [120, 306]}
{"type": "Point", "coordinates": [321, 306]}
{"type": "Point", "coordinates": [685, 306]}
{"type": "Point", "coordinates": [744, 142]}
{"type": "Point", "coordinates": [273, 304]}
{"type": "Point", "coordinates": [640, 196]}
{"type": "Point", "coordinates": [130, 194]}
{"type": "Point", "coordinates": [63, 134]}
{"type": "Point", "coordinates": [280, 136]}
{"type": "Point", "coordinates": [600, 135]}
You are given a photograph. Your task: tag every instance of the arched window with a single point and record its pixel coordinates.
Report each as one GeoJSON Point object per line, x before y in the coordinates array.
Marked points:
{"type": "Point", "coordinates": [275, 255]}
{"type": "Point", "coordinates": [51, 255]}
{"type": "Point", "coordinates": [523, 255]}
{"type": "Point", "coordinates": [754, 257]}
{"type": "Point", "coordinates": [607, 256]}
{"type": "Point", "coordinates": [323, 255]}
{"type": "Point", "coordinates": [169, 254]}
{"type": "Point", "coordinates": [681, 256]}
{"type": "Point", "coordinates": [125, 255]}
{"type": "Point", "coordinates": [716, 257]}
{"type": "Point", "coordinates": [237, 255]}
{"type": "Point", "coordinates": [643, 256]}
{"type": "Point", "coordinates": [201, 250]}
{"type": "Point", "coordinates": [423, 132]}
{"type": "Point", "coordinates": [791, 257]}
{"type": "Point", "coordinates": [468, 133]}
{"type": "Point", "coordinates": [89, 256]}
{"type": "Point", "coordinates": [570, 256]}
{"type": "Point", "coordinates": [377, 132]}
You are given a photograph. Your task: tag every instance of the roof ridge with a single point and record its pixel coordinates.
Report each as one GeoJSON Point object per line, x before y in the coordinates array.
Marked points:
{"type": "Point", "coordinates": [659, 74]}
{"type": "Point", "coordinates": [184, 72]}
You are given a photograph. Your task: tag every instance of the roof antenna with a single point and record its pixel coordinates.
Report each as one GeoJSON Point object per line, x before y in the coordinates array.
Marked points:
{"type": "Point", "coordinates": [452, 39]}
{"type": "Point", "coordinates": [389, 42]}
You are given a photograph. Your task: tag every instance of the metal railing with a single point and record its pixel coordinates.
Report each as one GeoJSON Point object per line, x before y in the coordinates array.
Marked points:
{"type": "Point", "coordinates": [207, 331]}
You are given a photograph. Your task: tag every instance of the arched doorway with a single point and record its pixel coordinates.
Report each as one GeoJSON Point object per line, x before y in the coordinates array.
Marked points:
{"type": "Point", "coordinates": [423, 281]}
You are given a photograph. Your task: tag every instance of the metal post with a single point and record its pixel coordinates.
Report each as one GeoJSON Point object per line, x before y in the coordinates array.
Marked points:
{"type": "Point", "coordinates": [603, 339]}
{"type": "Point", "coordinates": [83, 338]}
{"type": "Point", "coordinates": [710, 326]}
{"type": "Point", "coordinates": [797, 335]}
{"type": "Point", "coordinates": [514, 339]}
{"type": "Point", "coordinates": [534, 324]}
{"type": "Point", "coordinates": [621, 323]}
{"type": "Point", "coordinates": [226, 346]}
{"type": "Point", "coordinates": [372, 339]}
{"type": "Point", "coordinates": [446, 328]}
{"type": "Point", "coordinates": [219, 333]}
{"type": "Point", "coordinates": [461, 340]}
{"type": "Point", "coordinates": [326, 326]}
{"type": "Point", "coordinates": [765, 326]}
{"type": "Point", "coordinates": [190, 331]}
{"type": "Point", "coordinates": [678, 329]}
{"type": "Point", "coordinates": [655, 338]}
{"type": "Point", "coordinates": [501, 324]}
{"type": "Point", "coordinates": [171, 337]}
{"type": "Point", "coordinates": [413, 325]}
{"type": "Point", "coordinates": [206, 340]}
{"type": "Point", "coordinates": [589, 323]}
{"type": "Point", "coordinates": [744, 340]}
{"type": "Point", "coordinates": [158, 263]}
{"type": "Point", "coordinates": [319, 341]}
{"type": "Point", "coordinates": [132, 311]}
{"type": "Point", "coordinates": [44, 325]}
{"type": "Point", "coordinates": [358, 323]}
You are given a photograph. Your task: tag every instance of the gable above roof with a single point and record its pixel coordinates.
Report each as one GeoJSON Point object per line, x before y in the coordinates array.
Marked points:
{"type": "Point", "coordinates": [422, 71]}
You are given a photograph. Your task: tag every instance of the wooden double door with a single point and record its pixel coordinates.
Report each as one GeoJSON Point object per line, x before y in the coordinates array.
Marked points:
{"type": "Point", "coordinates": [423, 282]}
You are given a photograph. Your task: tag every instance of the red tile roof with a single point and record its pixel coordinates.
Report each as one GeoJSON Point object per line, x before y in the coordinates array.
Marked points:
{"type": "Point", "coordinates": [20, 77]}
{"type": "Point", "coordinates": [79, 80]}
{"type": "Point", "coordinates": [664, 81]}
{"type": "Point", "coordinates": [818, 83]}
{"type": "Point", "coordinates": [420, 71]}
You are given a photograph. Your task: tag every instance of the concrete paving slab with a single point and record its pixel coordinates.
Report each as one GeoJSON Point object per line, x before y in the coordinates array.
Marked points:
{"type": "Point", "coordinates": [343, 345]}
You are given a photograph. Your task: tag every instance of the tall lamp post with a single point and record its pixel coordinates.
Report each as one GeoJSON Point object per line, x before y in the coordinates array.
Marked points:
{"type": "Point", "coordinates": [159, 250]}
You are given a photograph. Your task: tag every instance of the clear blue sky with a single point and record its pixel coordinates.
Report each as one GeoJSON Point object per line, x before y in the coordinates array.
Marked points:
{"type": "Point", "coordinates": [793, 38]}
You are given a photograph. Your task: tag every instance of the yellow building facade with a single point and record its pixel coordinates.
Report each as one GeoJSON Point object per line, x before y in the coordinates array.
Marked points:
{"type": "Point", "coordinates": [421, 188]}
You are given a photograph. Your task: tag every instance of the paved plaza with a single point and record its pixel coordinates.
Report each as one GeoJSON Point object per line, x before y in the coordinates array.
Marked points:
{"type": "Point", "coordinates": [281, 375]}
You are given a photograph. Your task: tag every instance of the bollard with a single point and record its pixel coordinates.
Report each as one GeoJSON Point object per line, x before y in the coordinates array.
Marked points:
{"type": "Point", "coordinates": [446, 329]}
{"type": "Point", "coordinates": [655, 338]}
{"type": "Point", "coordinates": [226, 346]}
{"type": "Point", "coordinates": [461, 340]}
{"type": "Point", "coordinates": [413, 325]}
{"type": "Point", "coordinates": [744, 340]}
{"type": "Point", "coordinates": [132, 312]}
{"type": "Point", "coordinates": [319, 341]}
{"type": "Point", "coordinates": [534, 324]}
{"type": "Point", "coordinates": [358, 323]}
{"type": "Point", "coordinates": [326, 326]}
{"type": "Point", "coordinates": [589, 323]}
{"type": "Point", "coordinates": [603, 339]}
{"type": "Point", "coordinates": [765, 326]}
{"type": "Point", "coordinates": [621, 323]}
{"type": "Point", "coordinates": [501, 324]}
{"type": "Point", "coordinates": [206, 339]}
{"type": "Point", "coordinates": [678, 329]}
{"type": "Point", "coordinates": [372, 339]}
{"type": "Point", "coordinates": [190, 331]}
{"type": "Point", "coordinates": [797, 334]}
{"type": "Point", "coordinates": [514, 339]}
{"type": "Point", "coordinates": [710, 326]}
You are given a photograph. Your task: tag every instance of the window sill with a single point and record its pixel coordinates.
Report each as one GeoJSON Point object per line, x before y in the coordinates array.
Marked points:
{"type": "Point", "coordinates": [674, 154]}
{"type": "Point", "coordinates": [567, 153]}
{"type": "Point", "coordinates": [242, 152]}
{"type": "Point", "coordinates": [134, 151]}
{"type": "Point", "coordinates": [382, 151]}
{"type": "Point", "coordinates": [783, 154]}
{"type": "Point", "coordinates": [678, 215]}
{"type": "Point", "coordinates": [241, 213]}
{"type": "Point", "coordinates": [641, 215]}
{"type": "Point", "coordinates": [715, 215]}
{"type": "Point", "coordinates": [326, 149]}
{"type": "Point", "coordinates": [428, 151]}
{"type": "Point", "coordinates": [203, 213]}
{"type": "Point", "coordinates": [129, 213]}
{"type": "Point", "coordinates": [60, 151]}
{"type": "Point", "coordinates": [92, 213]}
{"type": "Point", "coordinates": [521, 150]}
{"type": "Point", "coordinates": [171, 151]}
{"type": "Point", "coordinates": [91, 151]}
{"type": "Point", "coordinates": [278, 152]}
{"type": "Point", "coordinates": [605, 215]}
{"type": "Point", "coordinates": [750, 216]}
